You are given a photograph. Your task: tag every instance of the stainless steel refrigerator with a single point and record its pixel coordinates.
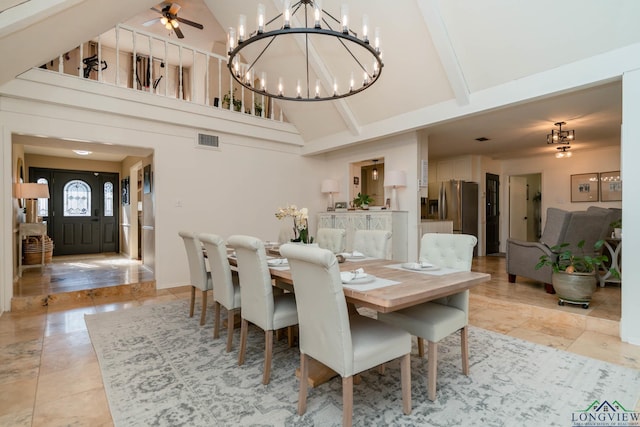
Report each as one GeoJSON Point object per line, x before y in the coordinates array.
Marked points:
{"type": "Point", "coordinates": [458, 202]}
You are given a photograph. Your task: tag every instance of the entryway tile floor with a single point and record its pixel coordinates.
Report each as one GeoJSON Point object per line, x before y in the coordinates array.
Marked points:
{"type": "Point", "coordinates": [49, 373]}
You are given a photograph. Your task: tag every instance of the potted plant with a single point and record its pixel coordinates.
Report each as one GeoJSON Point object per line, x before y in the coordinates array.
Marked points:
{"type": "Point", "coordinates": [226, 100]}
{"type": "Point", "coordinates": [617, 228]}
{"type": "Point", "coordinates": [574, 274]}
{"type": "Point", "coordinates": [362, 201]}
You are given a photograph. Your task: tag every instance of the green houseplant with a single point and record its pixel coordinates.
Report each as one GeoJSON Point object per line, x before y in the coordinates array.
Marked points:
{"type": "Point", "coordinates": [226, 100]}
{"type": "Point", "coordinates": [362, 201]}
{"type": "Point", "coordinates": [574, 272]}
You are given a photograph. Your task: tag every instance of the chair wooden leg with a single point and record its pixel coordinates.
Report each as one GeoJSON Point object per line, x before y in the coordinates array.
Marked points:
{"type": "Point", "coordinates": [347, 401]}
{"type": "Point", "coordinates": [193, 301]}
{"type": "Point", "coordinates": [268, 350]}
{"type": "Point", "coordinates": [432, 370]}
{"type": "Point", "coordinates": [204, 308]}
{"type": "Point", "coordinates": [421, 347]}
{"type": "Point", "coordinates": [464, 342]}
{"type": "Point", "coordinates": [244, 327]}
{"type": "Point", "coordinates": [290, 336]}
{"type": "Point", "coordinates": [231, 320]}
{"type": "Point", "coordinates": [304, 374]}
{"type": "Point", "coordinates": [405, 378]}
{"type": "Point", "coordinates": [216, 320]}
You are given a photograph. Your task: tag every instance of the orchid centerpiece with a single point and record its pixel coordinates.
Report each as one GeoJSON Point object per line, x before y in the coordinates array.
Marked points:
{"type": "Point", "coordinates": [300, 222]}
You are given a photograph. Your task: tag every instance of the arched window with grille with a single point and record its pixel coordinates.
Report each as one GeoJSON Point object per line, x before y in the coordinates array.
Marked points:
{"type": "Point", "coordinates": [77, 198]}
{"type": "Point", "coordinates": [43, 204]}
{"type": "Point", "coordinates": [108, 198]}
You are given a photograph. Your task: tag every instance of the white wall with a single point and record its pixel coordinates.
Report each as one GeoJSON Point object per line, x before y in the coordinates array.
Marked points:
{"type": "Point", "coordinates": [400, 153]}
{"type": "Point", "coordinates": [235, 189]}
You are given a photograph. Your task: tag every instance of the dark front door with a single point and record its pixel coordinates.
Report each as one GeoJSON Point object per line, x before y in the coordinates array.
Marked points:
{"type": "Point", "coordinates": [493, 214]}
{"type": "Point", "coordinates": [83, 211]}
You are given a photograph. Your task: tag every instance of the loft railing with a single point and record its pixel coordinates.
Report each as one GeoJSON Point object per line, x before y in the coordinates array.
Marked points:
{"type": "Point", "coordinates": [128, 57]}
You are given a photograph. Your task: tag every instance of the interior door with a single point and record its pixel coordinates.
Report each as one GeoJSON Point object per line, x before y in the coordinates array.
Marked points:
{"type": "Point", "coordinates": [84, 212]}
{"type": "Point", "coordinates": [518, 208]}
{"type": "Point", "coordinates": [492, 210]}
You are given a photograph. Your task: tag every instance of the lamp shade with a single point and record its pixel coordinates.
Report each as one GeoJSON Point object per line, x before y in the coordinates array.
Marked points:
{"type": "Point", "coordinates": [31, 190]}
{"type": "Point", "coordinates": [329, 186]}
{"type": "Point", "coordinates": [395, 179]}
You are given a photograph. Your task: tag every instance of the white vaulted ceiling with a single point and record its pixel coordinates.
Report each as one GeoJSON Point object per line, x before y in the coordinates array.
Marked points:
{"type": "Point", "coordinates": [435, 52]}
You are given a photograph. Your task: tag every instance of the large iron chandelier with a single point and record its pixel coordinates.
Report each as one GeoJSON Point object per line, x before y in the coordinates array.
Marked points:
{"type": "Point", "coordinates": [560, 136]}
{"type": "Point", "coordinates": [249, 54]}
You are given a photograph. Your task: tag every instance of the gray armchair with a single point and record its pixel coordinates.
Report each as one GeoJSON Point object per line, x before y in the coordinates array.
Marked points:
{"type": "Point", "coordinates": [561, 227]}
{"type": "Point", "coordinates": [522, 256]}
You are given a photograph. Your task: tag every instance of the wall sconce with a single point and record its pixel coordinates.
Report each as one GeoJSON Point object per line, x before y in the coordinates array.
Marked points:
{"type": "Point", "coordinates": [330, 186]}
{"type": "Point", "coordinates": [31, 192]}
{"type": "Point", "coordinates": [395, 179]}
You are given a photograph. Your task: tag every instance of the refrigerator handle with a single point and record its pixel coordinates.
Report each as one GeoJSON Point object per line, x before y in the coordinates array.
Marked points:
{"type": "Point", "coordinates": [442, 202]}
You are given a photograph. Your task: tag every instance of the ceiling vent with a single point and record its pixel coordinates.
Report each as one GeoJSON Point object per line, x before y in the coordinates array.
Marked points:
{"type": "Point", "coordinates": [208, 140]}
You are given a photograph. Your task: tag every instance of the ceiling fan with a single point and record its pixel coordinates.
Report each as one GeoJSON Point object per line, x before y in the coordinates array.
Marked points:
{"type": "Point", "coordinates": [171, 20]}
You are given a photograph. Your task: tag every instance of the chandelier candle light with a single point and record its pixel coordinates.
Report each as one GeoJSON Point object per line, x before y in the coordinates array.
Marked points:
{"type": "Point", "coordinates": [560, 136]}
{"type": "Point", "coordinates": [304, 27]}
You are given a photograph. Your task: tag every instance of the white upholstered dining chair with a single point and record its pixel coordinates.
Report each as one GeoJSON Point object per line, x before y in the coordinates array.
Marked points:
{"type": "Point", "coordinates": [347, 344]}
{"type": "Point", "coordinates": [226, 289]}
{"type": "Point", "coordinates": [200, 278]}
{"type": "Point", "coordinates": [439, 318]}
{"type": "Point", "coordinates": [260, 305]}
{"type": "Point", "coordinates": [333, 239]}
{"type": "Point", "coordinates": [372, 243]}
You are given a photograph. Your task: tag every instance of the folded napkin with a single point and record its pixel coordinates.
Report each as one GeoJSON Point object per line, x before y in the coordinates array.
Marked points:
{"type": "Point", "coordinates": [420, 265]}
{"type": "Point", "coordinates": [277, 261]}
{"type": "Point", "coordinates": [348, 276]}
{"type": "Point", "coordinates": [354, 254]}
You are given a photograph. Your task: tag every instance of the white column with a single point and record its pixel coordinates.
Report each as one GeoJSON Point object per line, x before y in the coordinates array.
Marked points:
{"type": "Point", "coordinates": [630, 152]}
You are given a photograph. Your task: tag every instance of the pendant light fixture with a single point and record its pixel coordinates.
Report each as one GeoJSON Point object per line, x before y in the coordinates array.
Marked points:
{"type": "Point", "coordinates": [374, 172]}
{"type": "Point", "coordinates": [321, 38]}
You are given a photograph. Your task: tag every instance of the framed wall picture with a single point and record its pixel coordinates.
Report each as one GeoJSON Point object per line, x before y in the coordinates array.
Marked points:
{"type": "Point", "coordinates": [610, 186]}
{"type": "Point", "coordinates": [584, 187]}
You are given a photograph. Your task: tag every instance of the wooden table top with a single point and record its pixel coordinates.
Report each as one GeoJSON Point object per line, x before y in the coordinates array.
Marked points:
{"type": "Point", "coordinates": [414, 287]}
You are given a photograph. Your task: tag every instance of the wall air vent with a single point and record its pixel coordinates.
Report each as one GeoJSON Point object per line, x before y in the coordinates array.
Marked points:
{"type": "Point", "coordinates": [208, 140]}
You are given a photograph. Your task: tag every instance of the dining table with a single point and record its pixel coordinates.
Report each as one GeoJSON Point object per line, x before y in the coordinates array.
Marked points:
{"type": "Point", "coordinates": [395, 285]}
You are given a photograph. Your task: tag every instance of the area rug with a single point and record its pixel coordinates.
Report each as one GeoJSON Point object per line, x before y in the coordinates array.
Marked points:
{"type": "Point", "coordinates": [161, 368]}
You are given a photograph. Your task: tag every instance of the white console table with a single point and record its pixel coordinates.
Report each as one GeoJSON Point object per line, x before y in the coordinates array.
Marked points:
{"type": "Point", "coordinates": [26, 229]}
{"type": "Point", "coordinates": [394, 221]}
{"type": "Point", "coordinates": [614, 248]}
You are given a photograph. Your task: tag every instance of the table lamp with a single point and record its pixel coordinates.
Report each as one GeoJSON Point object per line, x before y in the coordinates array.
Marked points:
{"type": "Point", "coordinates": [330, 186]}
{"type": "Point", "coordinates": [31, 192]}
{"type": "Point", "coordinates": [395, 179]}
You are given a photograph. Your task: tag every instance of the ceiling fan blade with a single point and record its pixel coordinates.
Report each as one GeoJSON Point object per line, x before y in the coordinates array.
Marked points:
{"type": "Point", "coordinates": [174, 9]}
{"type": "Point", "coordinates": [156, 10]}
{"type": "Point", "coordinates": [150, 22]}
{"type": "Point", "coordinates": [178, 32]}
{"type": "Point", "coordinates": [193, 24]}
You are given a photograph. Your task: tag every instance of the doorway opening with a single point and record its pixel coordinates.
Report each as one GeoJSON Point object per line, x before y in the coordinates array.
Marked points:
{"type": "Point", "coordinates": [525, 200]}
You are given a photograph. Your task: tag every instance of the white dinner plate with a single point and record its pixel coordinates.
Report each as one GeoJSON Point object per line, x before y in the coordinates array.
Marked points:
{"type": "Point", "coordinates": [416, 266]}
{"type": "Point", "coordinates": [363, 279]}
{"type": "Point", "coordinates": [278, 262]}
